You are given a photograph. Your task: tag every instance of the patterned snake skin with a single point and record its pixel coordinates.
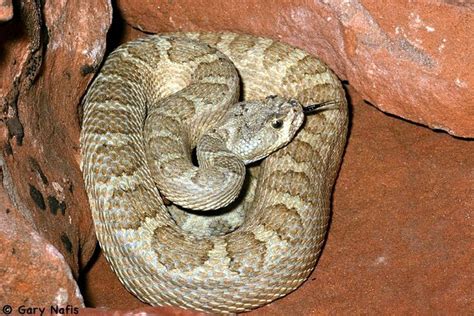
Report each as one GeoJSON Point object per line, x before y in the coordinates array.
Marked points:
{"type": "Point", "coordinates": [278, 241]}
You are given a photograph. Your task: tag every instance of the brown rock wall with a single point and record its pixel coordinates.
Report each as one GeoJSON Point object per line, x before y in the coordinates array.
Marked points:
{"type": "Point", "coordinates": [49, 52]}
{"type": "Point", "coordinates": [6, 10]}
{"type": "Point", "coordinates": [32, 271]}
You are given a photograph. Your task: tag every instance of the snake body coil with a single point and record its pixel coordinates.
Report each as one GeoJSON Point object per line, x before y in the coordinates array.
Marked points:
{"type": "Point", "coordinates": [287, 211]}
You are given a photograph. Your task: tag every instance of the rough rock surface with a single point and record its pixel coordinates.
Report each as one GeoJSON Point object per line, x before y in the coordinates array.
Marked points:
{"type": "Point", "coordinates": [49, 55]}
{"type": "Point", "coordinates": [6, 10]}
{"type": "Point", "coordinates": [400, 240]}
{"type": "Point", "coordinates": [33, 272]}
{"type": "Point", "coordinates": [408, 58]}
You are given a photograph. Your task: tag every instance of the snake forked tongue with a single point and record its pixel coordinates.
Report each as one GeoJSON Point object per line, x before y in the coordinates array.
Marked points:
{"type": "Point", "coordinates": [317, 107]}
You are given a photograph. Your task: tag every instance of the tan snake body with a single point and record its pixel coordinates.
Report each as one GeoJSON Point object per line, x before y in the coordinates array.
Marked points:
{"type": "Point", "coordinates": [276, 247]}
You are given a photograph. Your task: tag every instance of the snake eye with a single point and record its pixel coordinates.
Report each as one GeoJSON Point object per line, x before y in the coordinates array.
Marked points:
{"type": "Point", "coordinates": [277, 123]}
{"type": "Point", "coordinates": [293, 102]}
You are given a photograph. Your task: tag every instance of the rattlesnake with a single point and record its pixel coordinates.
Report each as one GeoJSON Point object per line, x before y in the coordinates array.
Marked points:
{"type": "Point", "coordinates": [286, 206]}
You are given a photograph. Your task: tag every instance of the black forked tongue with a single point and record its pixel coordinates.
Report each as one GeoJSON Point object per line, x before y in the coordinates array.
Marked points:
{"type": "Point", "coordinates": [318, 107]}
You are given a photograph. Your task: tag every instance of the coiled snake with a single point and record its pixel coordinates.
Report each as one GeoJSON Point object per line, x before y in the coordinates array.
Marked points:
{"type": "Point", "coordinates": [157, 98]}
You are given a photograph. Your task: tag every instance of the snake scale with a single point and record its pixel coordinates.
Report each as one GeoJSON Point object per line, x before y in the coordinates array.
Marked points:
{"type": "Point", "coordinates": [287, 206]}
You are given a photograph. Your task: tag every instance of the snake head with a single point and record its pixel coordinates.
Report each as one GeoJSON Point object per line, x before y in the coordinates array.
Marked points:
{"type": "Point", "coordinates": [255, 129]}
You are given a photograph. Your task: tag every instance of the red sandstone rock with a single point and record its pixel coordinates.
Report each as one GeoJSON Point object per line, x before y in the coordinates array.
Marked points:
{"type": "Point", "coordinates": [49, 55]}
{"type": "Point", "coordinates": [400, 240]}
{"type": "Point", "coordinates": [408, 58]}
{"type": "Point", "coordinates": [6, 10]}
{"type": "Point", "coordinates": [32, 271]}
